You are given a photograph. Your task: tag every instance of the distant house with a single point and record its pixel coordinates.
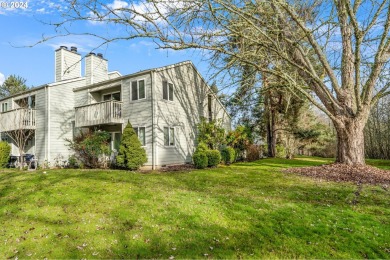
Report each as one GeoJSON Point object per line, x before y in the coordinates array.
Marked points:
{"type": "Point", "coordinates": [163, 105]}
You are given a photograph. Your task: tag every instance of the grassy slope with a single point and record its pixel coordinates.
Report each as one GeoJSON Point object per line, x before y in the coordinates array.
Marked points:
{"type": "Point", "coordinates": [245, 210]}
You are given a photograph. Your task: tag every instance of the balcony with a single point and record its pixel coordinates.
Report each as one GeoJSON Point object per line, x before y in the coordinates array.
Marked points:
{"type": "Point", "coordinates": [17, 119]}
{"type": "Point", "coordinates": [103, 113]}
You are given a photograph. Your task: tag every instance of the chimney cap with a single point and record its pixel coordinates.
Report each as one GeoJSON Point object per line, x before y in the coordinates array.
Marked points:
{"type": "Point", "coordinates": [62, 48]}
{"type": "Point", "coordinates": [73, 49]}
{"type": "Point", "coordinates": [91, 53]}
{"type": "Point", "coordinates": [100, 55]}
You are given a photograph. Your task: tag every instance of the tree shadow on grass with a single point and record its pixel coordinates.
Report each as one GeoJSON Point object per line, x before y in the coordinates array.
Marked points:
{"type": "Point", "coordinates": [258, 216]}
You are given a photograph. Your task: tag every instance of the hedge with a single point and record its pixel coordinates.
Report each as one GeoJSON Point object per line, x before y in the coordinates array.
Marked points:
{"type": "Point", "coordinates": [5, 150]}
{"type": "Point", "coordinates": [228, 155]}
{"type": "Point", "coordinates": [214, 157]}
{"type": "Point", "coordinates": [200, 159]}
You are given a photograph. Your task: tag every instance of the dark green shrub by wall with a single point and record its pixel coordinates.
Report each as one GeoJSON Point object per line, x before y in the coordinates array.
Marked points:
{"type": "Point", "coordinates": [131, 154]}
{"type": "Point", "coordinates": [200, 159]}
{"type": "Point", "coordinates": [228, 155]}
{"type": "Point", "coordinates": [202, 147]}
{"type": "Point", "coordinates": [214, 157]}
{"type": "Point", "coordinates": [5, 150]}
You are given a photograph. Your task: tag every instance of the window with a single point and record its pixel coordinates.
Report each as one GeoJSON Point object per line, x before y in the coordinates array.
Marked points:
{"type": "Point", "coordinates": [137, 89]}
{"type": "Point", "coordinates": [4, 107]}
{"type": "Point", "coordinates": [115, 140]}
{"type": "Point", "coordinates": [210, 107]}
{"type": "Point", "coordinates": [4, 137]}
{"type": "Point", "coordinates": [112, 96]}
{"type": "Point", "coordinates": [140, 131]}
{"type": "Point", "coordinates": [167, 91]}
{"type": "Point", "coordinates": [169, 136]}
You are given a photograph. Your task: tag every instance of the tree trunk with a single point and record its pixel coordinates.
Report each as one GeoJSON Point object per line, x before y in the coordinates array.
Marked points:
{"type": "Point", "coordinates": [350, 142]}
{"type": "Point", "coordinates": [271, 135]}
{"type": "Point", "coordinates": [21, 159]}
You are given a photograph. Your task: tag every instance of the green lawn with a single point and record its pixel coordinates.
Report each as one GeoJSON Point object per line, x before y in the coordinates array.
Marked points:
{"type": "Point", "coordinates": [247, 210]}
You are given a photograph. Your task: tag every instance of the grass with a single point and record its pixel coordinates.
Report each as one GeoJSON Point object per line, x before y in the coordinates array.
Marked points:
{"type": "Point", "coordinates": [247, 210]}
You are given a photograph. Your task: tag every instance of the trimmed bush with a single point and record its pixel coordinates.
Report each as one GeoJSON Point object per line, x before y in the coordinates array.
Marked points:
{"type": "Point", "coordinates": [214, 157]}
{"type": "Point", "coordinates": [202, 147]}
{"type": "Point", "coordinates": [131, 155]}
{"type": "Point", "coordinates": [5, 150]}
{"type": "Point", "coordinates": [228, 155]}
{"type": "Point", "coordinates": [200, 159]}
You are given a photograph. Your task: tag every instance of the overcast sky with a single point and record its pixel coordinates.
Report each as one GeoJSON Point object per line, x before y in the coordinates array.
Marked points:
{"type": "Point", "coordinates": [21, 27]}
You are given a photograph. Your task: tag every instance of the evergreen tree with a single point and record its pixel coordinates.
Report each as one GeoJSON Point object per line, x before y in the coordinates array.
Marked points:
{"type": "Point", "coordinates": [12, 85]}
{"type": "Point", "coordinates": [131, 155]}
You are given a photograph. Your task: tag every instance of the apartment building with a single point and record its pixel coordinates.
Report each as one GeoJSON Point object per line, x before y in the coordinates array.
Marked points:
{"type": "Point", "coordinates": [164, 105]}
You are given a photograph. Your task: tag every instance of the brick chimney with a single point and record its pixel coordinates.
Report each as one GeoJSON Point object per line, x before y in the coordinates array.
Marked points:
{"type": "Point", "coordinates": [96, 68]}
{"type": "Point", "coordinates": [67, 63]}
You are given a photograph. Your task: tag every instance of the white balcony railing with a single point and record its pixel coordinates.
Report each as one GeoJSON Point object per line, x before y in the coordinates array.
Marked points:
{"type": "Point", "coordinates": [17, 119]}
{"type": "Point", "coordinates": [103, 113]}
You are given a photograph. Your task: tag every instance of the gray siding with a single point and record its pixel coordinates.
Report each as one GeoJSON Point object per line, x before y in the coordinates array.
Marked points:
{"type": "Point", "coordinates": [183, 113]}
{"type": "Point", "coordinates": [139, 112]}
{"type": "Point", "coordinates": [60, 120]}
{"type": "Point", "coordinates": [81, 97]}
{"type": "Point", "coordinates": [41, 124]}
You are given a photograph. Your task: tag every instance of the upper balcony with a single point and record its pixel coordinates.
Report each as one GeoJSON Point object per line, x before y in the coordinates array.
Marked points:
{"type": "Point", "coordinates": [102, 113]}
{"type": "Point", "coordinates": [17, 119]}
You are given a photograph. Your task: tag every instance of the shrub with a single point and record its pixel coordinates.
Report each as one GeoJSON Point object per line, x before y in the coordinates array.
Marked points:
{"type": "Point", "coordinates": [253, 153]}
{"type": "Point", "coordinates": [213, 157]}
{"type": "Point", "coordinates": [5, 150]}
{"type": "Point", "coordinates": [212, 134]}
{"type": "Point", "coordinates": [240, 139]}
{"type": "Point", "coordinates": [200, 159]}
{"type": "Point", "coordinates": [202, 147]}
{"type": "Point", "coordinates": [72, 162]}
{"type": "Point", "coordinates": [131, 155]}
{"type": "Point", "coordinates": [280, 151]}
{"type": "Point", "coordinates": [90, 146]}
{"type": "Point", "coordinates": [228, 155]}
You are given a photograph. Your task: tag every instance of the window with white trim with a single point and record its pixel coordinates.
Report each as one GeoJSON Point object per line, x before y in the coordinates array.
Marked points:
{"type": "Point", "coordinates": [4, 107]}
{"type": "Point", "coordinates": [140, 131]}
{"type": "Point", "coordinates": [169, 136]}
{"type": "Point", "coordinates": [115, 140]}
{"type": "Point", "coordinates": [138, 90]}
{"type": "Point", "coordinates": [167, 91]}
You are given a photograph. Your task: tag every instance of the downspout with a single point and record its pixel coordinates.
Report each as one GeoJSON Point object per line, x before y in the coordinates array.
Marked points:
{"type": "Point", "coordinates": [45, 128]}
{"type": "Point", "coordinates": [48, 122]}
{"type": "Point", "coordinates": [154, 139]}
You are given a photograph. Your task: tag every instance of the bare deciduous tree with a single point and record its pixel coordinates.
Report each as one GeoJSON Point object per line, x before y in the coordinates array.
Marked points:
{"type": "Point", "coordinates": [19, 126]}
